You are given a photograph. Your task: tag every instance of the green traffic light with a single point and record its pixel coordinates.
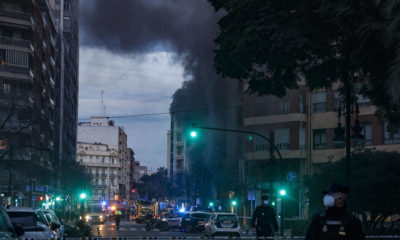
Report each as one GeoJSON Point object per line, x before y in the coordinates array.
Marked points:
{"type": "Point", "coordinates": [282, 192]}
{"type": "Point", "coordinates": [211, 204]}
{"type": "Point", "coordinates": [251, 138]}
{"type": "Point", "coordinates": [58, 198]}
{"type": "Point", "coordinates": [193, 134]}
{"type": "Point", "coordinates": [82, 196]}
{"type": "Point", "coordinates": [234, 203]}
{"type": "Point", "coordinates": [273, 203]}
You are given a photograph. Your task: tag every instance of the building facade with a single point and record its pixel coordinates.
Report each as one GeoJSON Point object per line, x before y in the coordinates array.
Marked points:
{"type": "Point", "coordinates": [30, 111]}
{"type": "Point", "coordinates": [302, 126]}
{"type": "Point", "coordinates": [101, 130]}
{"type": "Point", "coordinates": [102, 163]}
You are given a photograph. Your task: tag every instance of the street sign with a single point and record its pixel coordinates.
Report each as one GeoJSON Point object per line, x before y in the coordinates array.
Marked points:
{"type": "Point", "coordinates": [292, 176]}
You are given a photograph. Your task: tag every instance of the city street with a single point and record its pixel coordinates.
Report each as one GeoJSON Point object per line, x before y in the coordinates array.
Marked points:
{"type": "Point", "coordinates": [132, 229]}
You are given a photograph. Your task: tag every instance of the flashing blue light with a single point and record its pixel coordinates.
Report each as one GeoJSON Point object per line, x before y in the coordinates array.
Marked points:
{"type": "Point", "coordinates": [182, 210]}
{"type": "Point", "coordinates": [103, 203]}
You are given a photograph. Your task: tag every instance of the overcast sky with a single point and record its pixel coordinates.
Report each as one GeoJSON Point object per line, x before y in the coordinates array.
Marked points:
{"type": "Point", "coordinates": [140, 52]}
{"type": "Point", "coordinates": [132, 85]}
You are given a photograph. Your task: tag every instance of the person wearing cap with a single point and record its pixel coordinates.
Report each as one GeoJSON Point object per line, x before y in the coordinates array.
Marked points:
{"type": "Point", "coordinates": [264, 218]}
{"type": "Point", "coordinates": [335, 223]}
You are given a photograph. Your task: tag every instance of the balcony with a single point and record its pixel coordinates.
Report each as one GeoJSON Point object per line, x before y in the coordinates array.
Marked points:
{"type": "Point", "coordinates": [14, 42]}
{"type": "Point", "coordinates": [14, 14]}
{"type": "Point", "coordinates": [113, 176]}
{"type": "Point", "coordinates": [17, 70]}
{"type": "Point", "coordinates": [103, 175]}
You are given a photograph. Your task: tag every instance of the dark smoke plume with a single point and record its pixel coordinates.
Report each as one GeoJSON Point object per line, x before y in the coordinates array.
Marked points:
{"type": "Point", "coordinates": [186, 27]}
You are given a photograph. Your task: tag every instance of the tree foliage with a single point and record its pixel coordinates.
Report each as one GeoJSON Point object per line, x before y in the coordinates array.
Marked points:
{"type": "Point", "coordinates": [155, 185]}
{"type": "Point", "coordinates": [375, 182]}
{"type": "Point", "coordinates": [273, 44]}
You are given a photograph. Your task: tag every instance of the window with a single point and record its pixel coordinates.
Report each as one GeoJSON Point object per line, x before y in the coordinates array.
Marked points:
{"type": "Point", "coordinates": [319, 102]}
{"type": "Point", "coordinates": [179, 150]}
{"type": "Point", "coordinates": [391, 138]}
{"type": "Point", "coordinates": [3, 143]}
{"type": "Point", "coordinates": [302, 138]}
{"type": "Point", "coordinates": [102, 159]}
{"type": "Point", "coordinates": [6, 88]}
{"type": "Point", "coordinates": [282, 138]}
{"type": "Point", "coordinates": [367, 133]}
{"type": "Point", "coordinates": [319, 138]}
{"type": "Point", "coordinates": [363, 101]}
{"type": "Point", "coordinates": [283, 106]}
{"type": "Point", "coordinates": [112, 180]}
{"type": "Point", "coordinates": [103, 181]}
{"type": "Point", "coordinates": [338, 100]}
{"type": "Point", "coordinates": [112, 160]}
{"type": "Point", "coordinates": [260, 145]}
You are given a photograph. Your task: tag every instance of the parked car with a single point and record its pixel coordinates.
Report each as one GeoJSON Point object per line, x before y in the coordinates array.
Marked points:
{"type": "Point", "coordinates": [194, 221]}
{"type": "Point", "coordinates": [223, 224]}
{"type": "Point", "coordinates": [7, 229]}
{"type": "Point", "coordinates": [174, 220]}
{"type": "Point", "coordinates": [34, 222]}
{"type": "Point", "coordinates": [55, 224]}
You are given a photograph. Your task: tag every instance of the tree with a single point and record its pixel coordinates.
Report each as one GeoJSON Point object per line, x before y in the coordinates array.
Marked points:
{"type": "Point", "coordinates": [372, 170]}
{"type": "Point", "coordinates": [155, 185]}
{"type": "Point", "coordinates": [275, 44]}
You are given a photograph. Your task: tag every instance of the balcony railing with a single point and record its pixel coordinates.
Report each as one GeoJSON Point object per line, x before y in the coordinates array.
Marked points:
{"type": "Point", "coordinates": [14, 42]}
{"type": "Point", "coordinates": [15, 14]}
{"type": "Point", "coordinates": [17, 70]}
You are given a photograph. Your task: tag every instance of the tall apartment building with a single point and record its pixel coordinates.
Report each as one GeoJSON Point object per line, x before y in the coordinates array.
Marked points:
{"type": "Point", "coordinates": [101, 130]}
{"type": "Point", "coordinates": [303, 125]}
{"type": "Point", "coordinates": [176, 163]}
{"type": "Point", "coordinates": [31, 107]}
{"type": "Point", "coordinates": [103, 163]}
{"type": "Point", "coordinates": [66, 13]}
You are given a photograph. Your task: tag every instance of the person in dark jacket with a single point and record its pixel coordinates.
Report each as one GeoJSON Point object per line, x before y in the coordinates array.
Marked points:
{"type": "Point", "coordinates": [335, 223]}
{"type": "Point", "coordinates": [264, 218]}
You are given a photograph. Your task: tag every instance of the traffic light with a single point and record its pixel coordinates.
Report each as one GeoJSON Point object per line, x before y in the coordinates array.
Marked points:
{"type": "Point", "coordinates": [82, 196]}
{"type": "Point", "coordinates": [41, 198]}
{"type": "Point", "coordinates": [193, 134]}
{"type": "Point", "coordinates": [234, 203]}
{"type": "Point", "coordinates": [133, 191]}
{"type": "Point", "coordinates": [273, 203]}
{"type": "Point", "coordinates": [282, 192]}
{"type": "Point", "coordinates": [58, 198]}
{"type": "Point", "coordinates": [211, 204]}
{"type": "Point", "coordinates": [250, 137]}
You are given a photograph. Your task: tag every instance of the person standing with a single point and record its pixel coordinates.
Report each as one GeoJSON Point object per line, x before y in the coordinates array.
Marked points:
{"type": "Point", "coordinates": [118, 216]}
{"type": "Point", "coordinates": [264, 218]}
{"type": "Point", "coordinates": [335, 223]}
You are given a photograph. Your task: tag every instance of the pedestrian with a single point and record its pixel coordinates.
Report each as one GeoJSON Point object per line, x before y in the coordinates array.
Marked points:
{"type": "Point", "coordinates": [118, 216]}
{"type": "Point", "coordinates": [264, 218]}
{"type": "Point", "coordinates": [335, 223]}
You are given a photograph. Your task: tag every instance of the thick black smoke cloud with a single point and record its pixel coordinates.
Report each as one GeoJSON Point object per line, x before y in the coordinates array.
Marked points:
{"type": "Point", "coordinates": [186, 27]}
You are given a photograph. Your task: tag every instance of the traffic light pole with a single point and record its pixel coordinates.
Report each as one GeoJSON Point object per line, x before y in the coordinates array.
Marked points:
{"type": "Point", "coordinates": [274, 148]}
{"type": "Point", "coordinates": [270, 141]}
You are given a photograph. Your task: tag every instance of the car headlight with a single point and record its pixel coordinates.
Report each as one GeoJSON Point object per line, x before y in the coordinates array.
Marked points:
{"type": "Point", "coordinates": [80, 217]}
{"type": "Point", "coordinates": [87, 217]}
{"type": "Point", "coordinates": [101, 216]}
{"type": "Point", "coordinates": [164, 219]}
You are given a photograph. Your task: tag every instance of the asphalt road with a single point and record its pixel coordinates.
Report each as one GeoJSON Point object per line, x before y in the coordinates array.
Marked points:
{"type": "Point", "coordinates": [132, 229]}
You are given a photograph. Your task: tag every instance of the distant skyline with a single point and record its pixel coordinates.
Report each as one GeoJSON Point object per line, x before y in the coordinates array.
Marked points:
{"type": "Point", "coordinates": [132, 84]}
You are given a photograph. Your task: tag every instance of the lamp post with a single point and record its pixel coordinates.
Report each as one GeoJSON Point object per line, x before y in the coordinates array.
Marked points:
{"type": "Point", "coordinates": [357, 137]}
